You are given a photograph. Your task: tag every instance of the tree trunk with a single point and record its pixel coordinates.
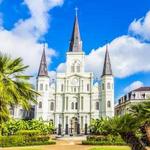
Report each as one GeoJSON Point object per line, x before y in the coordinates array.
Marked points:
{"type": "Point", "coordinates": [147, 130]}
{"type": "Point", "coordinates": [133, 141]}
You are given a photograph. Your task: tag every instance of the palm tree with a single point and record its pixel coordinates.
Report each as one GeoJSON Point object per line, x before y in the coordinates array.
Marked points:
{"type": "Point", "coordinates": [97, 126]}
{"type": "Point", "coordinates": [15, 88]}
{"type": "Point", "coordinates": [142, 112]}
{"type": "Point", "coordinates": [126, 126]}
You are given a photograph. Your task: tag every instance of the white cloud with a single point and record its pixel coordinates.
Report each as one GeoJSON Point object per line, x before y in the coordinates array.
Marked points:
{"type": "Point", "coordinates": [133, 86]}
{"type": "Point", "coordinates": [127, 54]}
{"type": "Point", "coordinates": [22, 40]}
{"type": "Point", "coordinates": [141, 27]}
{"type": "Point", "coordinates": [61, 67]}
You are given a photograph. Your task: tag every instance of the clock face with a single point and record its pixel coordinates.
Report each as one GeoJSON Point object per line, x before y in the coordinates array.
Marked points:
{"type": "Point", "coordinates": [74, 81]}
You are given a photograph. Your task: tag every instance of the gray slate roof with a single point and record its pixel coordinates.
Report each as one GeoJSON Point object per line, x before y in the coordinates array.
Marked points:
{"type": "Point", "coordinates": [75, 43]}
{"type": "Point", "coordinates": [43, 65]}
{"type": "Point", "coordinates": [107, 64]}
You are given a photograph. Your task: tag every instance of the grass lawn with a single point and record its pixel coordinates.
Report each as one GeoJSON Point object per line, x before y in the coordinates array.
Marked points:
{"type": "Point", "coordinates": [111, 148]}
{"type": "Point", "coordinates": [73, 147]}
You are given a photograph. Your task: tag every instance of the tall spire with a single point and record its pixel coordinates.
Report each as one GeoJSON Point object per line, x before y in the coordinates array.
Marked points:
{"type": "Point", "coordinates": [75, 43]}
{"type": "Point", "coordinates": [43, 65]}
{"type": "Point", "coordinates": [107, 65]}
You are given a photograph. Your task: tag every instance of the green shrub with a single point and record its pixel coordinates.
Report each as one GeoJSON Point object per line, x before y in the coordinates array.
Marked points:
{"type": "Point", "coordinates": [103, 140]}
{"type": "Point", "coordinates": [101, 143]}
{"type": "Point", "coordinates": [15, 140]}
{"type": "Point", "coordinates": [36, 138]}
{"type": "Point", "coordinates": [11, 140]}
{"type": "Point", "coordinates": [96, 138]}
{"type": "Point", "coordinates": [28, 132]}
{"type": "Point", "coordinates": [12, 126]}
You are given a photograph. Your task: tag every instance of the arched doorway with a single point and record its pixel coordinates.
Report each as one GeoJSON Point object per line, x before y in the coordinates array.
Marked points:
{"type": "Point", "coordinates": [73, 125]}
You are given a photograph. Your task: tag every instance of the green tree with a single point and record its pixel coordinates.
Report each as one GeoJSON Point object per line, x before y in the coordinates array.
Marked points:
{"type": "Point", "coordinates": [97, 126]}
{"type": "Point", "coordinates": [141, 111]}
{"type": "Point", "coordinates": [15, 88]}
{"type": "Point", "coordinates": [127, 126]}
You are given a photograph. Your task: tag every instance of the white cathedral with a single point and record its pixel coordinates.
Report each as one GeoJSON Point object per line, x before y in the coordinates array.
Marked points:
{"type": "Point", "coordinates": [73, 100]}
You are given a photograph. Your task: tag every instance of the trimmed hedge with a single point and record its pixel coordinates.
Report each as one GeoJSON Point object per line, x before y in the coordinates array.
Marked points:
{"type": "Point", "coordinates": [102, 143]}
{"type": "Point", "coordinates": [15, 140]}
{"type": "Point", "coordinates": [103, 140]}
{"type": "Point", "coordinates": [28, 132]}
{"type": "Point", "coordinates": [97, 138]}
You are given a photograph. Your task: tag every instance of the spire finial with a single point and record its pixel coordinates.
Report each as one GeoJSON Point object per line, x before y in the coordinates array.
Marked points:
{"type": "Point", "coordinates": [76, 10]}
{"type": "Point", "coordinates": [44, 46]}
{"type": "Point", "coordinates": [106, 46]}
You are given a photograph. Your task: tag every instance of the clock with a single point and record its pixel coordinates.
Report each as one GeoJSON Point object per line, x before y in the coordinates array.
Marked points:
{"type": "Point", "coordinates": [74, 81]}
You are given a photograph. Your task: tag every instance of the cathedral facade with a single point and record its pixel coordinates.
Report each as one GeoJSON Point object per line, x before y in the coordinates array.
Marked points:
{"type": "Point", "coordinates": [73, 100]}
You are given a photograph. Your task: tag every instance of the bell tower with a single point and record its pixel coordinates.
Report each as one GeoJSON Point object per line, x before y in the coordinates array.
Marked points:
{"type": "Point", "coordinates": [75, 55]}
{"type": "Point", "coordinates": [41, 111]}
{"type": "Point", "coordinates": [107, 88]}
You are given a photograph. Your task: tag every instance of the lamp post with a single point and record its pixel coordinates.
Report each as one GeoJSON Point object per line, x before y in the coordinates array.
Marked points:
{"type": "Point", "coordinates": [78, 124]}
{"type": "Point", "coordinates": [85, 125]}
{"type": "Point", "coordinates": [66, 125]}
{"type": "Point", "coordinates": [59, 125]}
{"type": "Point", "coordinates": [71, 128]}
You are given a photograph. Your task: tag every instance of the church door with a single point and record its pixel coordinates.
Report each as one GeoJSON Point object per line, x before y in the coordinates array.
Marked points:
{"type": "Point", "coordinates": [74, 123]}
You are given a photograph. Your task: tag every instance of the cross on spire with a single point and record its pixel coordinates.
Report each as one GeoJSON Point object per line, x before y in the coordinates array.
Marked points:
{"type": "Point", "coordinates": [76, 11]}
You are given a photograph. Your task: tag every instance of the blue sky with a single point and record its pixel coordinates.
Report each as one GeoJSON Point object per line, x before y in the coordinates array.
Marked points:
{"type": "Point", "coordinates": [26, 25]}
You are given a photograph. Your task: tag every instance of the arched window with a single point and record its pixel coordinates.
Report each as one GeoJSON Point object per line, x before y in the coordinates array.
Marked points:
{"type": "Point", "coordinates": [88, 87]}
{"type": "Point", "coordinates": [108, 104]}
{"type": "Point", "coordinates": [108, 85]}
{"type": "Point", "coordinates": [46, 87]}
{"type": "Point", "coordinates": [82, 85]}
{"type": "Point", "coordinates": [52, 106]}
{"type": "Point", "coordinates": [76, 105]}
{"type": "Point", "coordinates": [41, 86]}
{"type": "Point", "coordinates": [72, 105]}
{"type": "Point", "coordinates": [67, 84]}
{"type": "Point", "coordinates": [97, 105]}
{"type": "Point", "coordinates": [103, 87]}
{"type": "Point", "coordinates": [40, 104]}
{"type": "Point", "coordinates": [82, 103]}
